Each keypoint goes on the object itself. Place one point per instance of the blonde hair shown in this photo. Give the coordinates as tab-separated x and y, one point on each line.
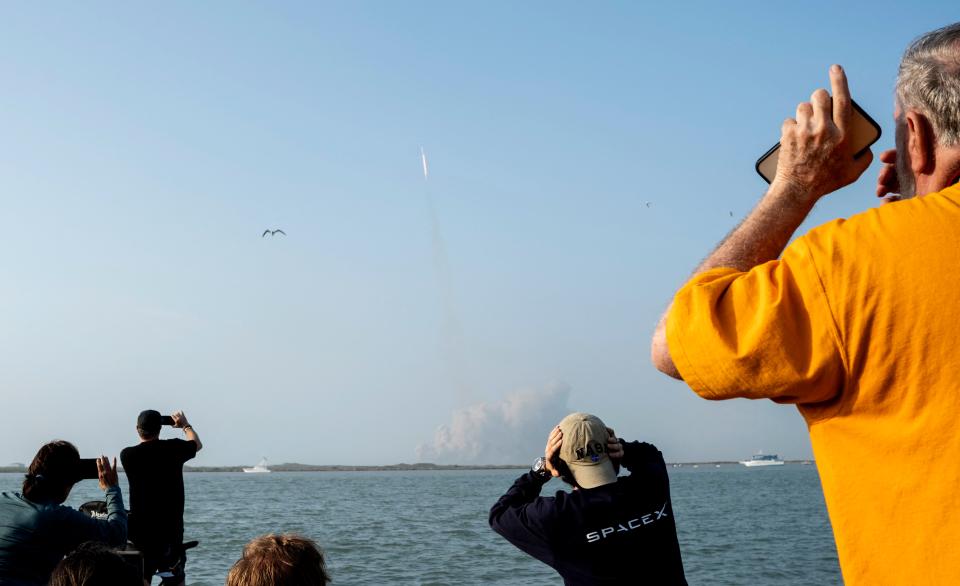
272	559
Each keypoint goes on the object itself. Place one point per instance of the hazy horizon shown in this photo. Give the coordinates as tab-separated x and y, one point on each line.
583	159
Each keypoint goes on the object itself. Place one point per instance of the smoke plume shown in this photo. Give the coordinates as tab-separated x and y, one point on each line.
511	431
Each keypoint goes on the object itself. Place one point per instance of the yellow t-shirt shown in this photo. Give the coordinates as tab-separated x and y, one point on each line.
858	324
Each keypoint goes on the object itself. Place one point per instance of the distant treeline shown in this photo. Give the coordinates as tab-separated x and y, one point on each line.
293	467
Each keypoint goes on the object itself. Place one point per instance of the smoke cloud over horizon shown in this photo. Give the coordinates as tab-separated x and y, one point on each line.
511	431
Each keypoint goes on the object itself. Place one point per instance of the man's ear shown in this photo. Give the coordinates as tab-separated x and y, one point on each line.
920	143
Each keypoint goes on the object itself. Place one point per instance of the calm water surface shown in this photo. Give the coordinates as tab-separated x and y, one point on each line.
737	526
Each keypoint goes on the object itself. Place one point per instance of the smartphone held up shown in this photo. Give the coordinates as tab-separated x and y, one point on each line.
87	469
865	131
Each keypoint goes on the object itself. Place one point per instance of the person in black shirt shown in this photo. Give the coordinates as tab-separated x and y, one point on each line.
609	529
154	470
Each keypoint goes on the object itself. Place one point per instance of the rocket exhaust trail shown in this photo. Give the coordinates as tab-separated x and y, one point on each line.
452	336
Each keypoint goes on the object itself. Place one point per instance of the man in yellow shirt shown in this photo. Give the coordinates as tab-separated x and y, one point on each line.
857	322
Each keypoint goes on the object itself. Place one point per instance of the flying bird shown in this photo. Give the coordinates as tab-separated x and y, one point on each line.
272	232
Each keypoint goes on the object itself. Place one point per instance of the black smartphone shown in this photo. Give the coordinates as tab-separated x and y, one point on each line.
865	132
87	469
166	420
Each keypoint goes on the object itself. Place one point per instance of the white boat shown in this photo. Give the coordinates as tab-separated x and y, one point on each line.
761	459
260	468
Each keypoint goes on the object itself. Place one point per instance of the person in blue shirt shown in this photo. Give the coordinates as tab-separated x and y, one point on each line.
37	530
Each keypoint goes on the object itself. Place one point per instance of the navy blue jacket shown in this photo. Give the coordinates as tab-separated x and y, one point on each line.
619	533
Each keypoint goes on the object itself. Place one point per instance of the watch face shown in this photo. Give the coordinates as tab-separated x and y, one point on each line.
538	464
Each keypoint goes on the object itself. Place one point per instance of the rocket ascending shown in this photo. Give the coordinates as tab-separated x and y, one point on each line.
423	158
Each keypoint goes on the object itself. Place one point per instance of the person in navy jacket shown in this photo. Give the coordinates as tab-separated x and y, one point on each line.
608	529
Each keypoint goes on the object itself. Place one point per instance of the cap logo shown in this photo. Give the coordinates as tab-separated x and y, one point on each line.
593	451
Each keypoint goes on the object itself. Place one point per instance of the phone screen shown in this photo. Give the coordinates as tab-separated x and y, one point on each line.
865	132
166	420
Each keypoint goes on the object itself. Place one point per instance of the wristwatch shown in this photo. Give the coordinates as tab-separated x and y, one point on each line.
539	468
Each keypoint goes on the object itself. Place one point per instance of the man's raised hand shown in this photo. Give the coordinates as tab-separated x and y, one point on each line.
554	441
179	420
614	447
107	474
888	184
816	156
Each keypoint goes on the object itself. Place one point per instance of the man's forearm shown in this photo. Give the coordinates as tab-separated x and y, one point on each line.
524	490
816	158
116	515
761	237
629	459
112	530
191	435
765	232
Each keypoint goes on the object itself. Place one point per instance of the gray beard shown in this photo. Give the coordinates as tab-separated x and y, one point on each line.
908	186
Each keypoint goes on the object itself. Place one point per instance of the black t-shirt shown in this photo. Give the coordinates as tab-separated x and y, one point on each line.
619	533
155	472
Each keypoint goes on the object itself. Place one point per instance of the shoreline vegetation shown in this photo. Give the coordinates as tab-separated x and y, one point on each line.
423	466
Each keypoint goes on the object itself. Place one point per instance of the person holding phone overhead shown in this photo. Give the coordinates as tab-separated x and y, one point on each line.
154	469
37	530
854	322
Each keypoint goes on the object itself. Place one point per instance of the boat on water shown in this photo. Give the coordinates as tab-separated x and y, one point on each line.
260	468
763	460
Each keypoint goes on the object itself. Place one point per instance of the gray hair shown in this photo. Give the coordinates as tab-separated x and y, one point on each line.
929	81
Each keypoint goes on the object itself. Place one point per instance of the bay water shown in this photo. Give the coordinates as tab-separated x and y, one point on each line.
736	525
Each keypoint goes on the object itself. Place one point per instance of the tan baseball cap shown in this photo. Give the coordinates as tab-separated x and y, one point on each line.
584	449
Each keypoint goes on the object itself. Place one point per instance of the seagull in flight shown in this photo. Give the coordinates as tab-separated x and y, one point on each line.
272	232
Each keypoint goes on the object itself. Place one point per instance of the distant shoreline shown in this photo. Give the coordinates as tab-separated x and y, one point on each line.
346	468
293	467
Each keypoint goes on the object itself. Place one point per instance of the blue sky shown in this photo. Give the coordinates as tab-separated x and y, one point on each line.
145	148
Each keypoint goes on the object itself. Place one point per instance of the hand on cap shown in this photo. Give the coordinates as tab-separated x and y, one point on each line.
554	440
816	156
614	447
179	420
107	474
